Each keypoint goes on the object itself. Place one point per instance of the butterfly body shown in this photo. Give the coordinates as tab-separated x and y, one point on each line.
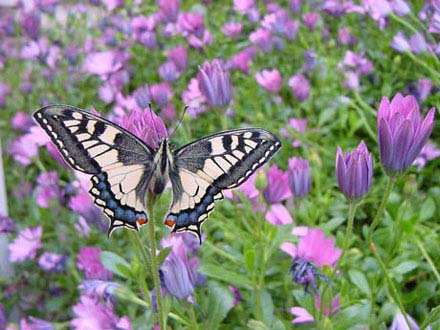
125	169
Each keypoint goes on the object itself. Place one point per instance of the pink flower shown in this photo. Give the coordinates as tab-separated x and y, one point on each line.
303	316
179	57
232	29
101	63
194	98
161	93
26	245
428	153
244	6
311	20
88	260
48	189
300	87
314	247
262	38
269	79
277	189
92	314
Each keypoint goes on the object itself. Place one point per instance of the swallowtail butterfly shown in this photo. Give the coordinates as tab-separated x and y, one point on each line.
124	168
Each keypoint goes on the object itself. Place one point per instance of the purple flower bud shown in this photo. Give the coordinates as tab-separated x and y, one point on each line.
169	9
300	87
214	83
424	88
345	37
400	7
400	43
262	38
179	57
401	132
418	44
354	171
311	20
168	72
7	225
142	96
232	29
161	94
299	176
31	24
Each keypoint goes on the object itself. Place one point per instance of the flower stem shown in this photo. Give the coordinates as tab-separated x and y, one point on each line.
261	269
154	264
143	258
376	220
428	259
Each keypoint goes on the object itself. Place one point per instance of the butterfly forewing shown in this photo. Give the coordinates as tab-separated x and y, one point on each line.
207	166
120	163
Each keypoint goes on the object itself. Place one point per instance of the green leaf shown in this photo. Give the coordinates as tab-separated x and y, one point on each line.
354	315
116	264
278	325
427	209
256	325
249	258
268	307
359	279
432	317
405	267
227	276
220	302
125	293
163	254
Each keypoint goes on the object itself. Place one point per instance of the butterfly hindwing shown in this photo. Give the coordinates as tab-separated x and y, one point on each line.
205	167
120	163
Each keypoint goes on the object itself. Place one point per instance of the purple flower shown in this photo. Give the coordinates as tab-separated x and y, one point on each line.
401	132
48	188
88	260
345	37
169	9
179	275
244	6
214	83
232	29
428	153
102	289
418	43
102	63
299	176
82	204
276	22
300	87
313	248
240	62
91	314
311	20
275	193
52	262
399	323
33	323
168	72
26	245
5	89
112	4
194	98
400	43
21	121
236	293
142	96
31	24
146	125
262	38
7	225
161	94
354	171
400	7
142	30
191	23
179	57
424	87
269	79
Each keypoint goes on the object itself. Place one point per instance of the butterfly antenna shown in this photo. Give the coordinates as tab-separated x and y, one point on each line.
180	120
154	122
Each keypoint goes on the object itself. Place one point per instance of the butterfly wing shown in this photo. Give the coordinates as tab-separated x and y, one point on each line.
121	164
204	168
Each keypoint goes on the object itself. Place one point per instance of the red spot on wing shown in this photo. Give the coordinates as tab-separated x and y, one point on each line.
141	221
170	222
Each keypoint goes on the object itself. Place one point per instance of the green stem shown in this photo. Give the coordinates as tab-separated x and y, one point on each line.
261	270
378	216
365	121
428	259
374	224
434	73
351	213
154	264
192	315
142	256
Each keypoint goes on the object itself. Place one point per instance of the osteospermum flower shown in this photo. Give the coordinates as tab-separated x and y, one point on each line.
214	83
429	152
300	87
354	171
91	314
313	248
48	188
399	323
146	125
88	260
33	323
26	245
7	224
299	176
269	79
52	262
401	132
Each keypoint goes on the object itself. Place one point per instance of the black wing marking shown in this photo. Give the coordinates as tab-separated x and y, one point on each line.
205	167
120	162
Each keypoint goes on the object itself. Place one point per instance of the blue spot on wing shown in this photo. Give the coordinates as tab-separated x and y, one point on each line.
191	219
120	215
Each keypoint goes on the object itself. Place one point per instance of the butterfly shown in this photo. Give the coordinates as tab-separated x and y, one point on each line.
125	169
